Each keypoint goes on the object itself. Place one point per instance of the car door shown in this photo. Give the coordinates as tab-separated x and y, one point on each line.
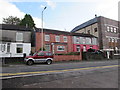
40	57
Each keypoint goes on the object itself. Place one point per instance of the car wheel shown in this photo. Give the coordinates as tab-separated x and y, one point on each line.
30	62
49	62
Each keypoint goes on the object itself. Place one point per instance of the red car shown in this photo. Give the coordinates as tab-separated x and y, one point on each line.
39	57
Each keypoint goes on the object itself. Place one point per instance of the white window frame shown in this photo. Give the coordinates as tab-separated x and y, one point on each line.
115	30
65	38
19	47
19	36
108	28
57	38
47	37
111	29
62	47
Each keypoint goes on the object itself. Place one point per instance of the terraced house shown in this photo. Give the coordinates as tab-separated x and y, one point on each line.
106	30
58	41
15	41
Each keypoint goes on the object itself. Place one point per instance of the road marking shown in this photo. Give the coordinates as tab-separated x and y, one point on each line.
54	71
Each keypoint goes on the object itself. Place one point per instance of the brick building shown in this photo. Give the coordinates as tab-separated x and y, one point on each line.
54	40
64	42
107	31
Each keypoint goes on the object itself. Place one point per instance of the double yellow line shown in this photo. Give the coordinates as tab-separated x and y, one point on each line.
54	71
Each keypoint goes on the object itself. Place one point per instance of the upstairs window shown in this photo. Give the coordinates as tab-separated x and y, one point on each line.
115	30
57	38
19	36
65	38
108	28
95	29
47	37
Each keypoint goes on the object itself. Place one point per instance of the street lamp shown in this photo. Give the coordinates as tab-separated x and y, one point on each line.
42	36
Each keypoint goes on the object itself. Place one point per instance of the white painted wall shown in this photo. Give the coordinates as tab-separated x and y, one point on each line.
13	46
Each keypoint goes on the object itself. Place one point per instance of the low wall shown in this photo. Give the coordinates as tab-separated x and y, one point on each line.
67	57
7	60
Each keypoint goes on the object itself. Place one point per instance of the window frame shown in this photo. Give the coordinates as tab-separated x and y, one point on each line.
19	36
57	38
47	37
62	47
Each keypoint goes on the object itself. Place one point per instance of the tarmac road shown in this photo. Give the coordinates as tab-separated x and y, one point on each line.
89	74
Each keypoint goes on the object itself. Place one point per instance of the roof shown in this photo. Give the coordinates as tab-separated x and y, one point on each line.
82	35
88	23
51	31
14	27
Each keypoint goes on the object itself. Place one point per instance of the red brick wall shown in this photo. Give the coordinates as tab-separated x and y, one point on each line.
67	57
68	46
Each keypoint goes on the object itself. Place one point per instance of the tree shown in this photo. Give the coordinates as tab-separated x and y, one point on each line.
11	20
27	21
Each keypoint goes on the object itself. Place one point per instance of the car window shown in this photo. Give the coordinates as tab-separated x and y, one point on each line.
48	54
40	54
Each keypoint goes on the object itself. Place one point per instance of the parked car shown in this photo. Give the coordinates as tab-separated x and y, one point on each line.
39	57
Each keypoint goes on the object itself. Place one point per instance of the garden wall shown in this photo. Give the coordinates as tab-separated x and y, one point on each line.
67	57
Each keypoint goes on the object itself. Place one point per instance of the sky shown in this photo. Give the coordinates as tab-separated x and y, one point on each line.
61	15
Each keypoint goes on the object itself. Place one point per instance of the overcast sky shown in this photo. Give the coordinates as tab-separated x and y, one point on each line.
60	14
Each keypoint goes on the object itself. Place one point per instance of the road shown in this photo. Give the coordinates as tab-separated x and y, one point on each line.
86	74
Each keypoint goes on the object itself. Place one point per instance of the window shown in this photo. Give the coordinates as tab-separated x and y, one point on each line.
111	29
8	47
47	47
88	31
57	38
19	36
84	49
95	29
108	28
40	54
78	48
19	48
47	37
115	30
88	41
2	47
77	40
60	48
94	41
48	54
65	38
84	40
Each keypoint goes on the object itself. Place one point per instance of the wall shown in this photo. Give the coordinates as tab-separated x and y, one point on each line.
67	57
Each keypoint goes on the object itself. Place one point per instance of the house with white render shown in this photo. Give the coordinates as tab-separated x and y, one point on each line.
15	41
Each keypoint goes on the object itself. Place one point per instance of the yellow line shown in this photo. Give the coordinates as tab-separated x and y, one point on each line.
24	73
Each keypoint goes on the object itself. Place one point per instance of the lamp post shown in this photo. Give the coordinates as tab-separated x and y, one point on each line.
42	36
